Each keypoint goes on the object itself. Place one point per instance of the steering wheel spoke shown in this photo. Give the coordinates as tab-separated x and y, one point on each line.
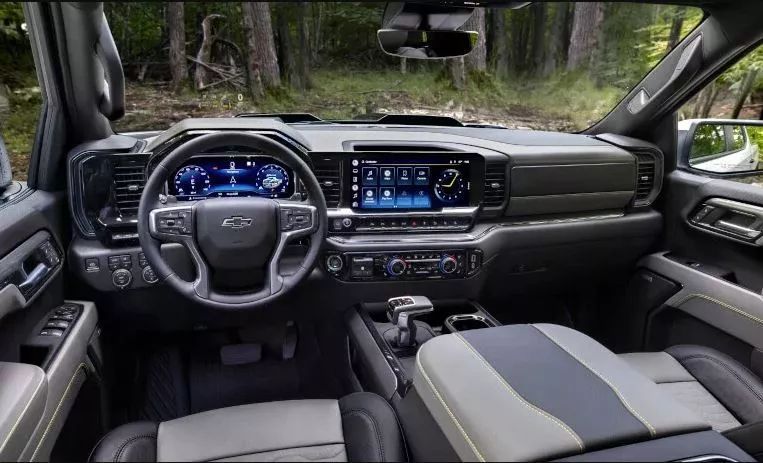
296	220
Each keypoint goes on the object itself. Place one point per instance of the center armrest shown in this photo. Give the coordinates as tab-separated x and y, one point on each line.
530	392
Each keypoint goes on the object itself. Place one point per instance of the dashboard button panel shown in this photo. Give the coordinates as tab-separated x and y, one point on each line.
404	265
413	223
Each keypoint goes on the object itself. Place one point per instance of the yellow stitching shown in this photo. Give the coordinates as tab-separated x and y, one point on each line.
652	431
450	413
521	399
21	416
723	304
58	408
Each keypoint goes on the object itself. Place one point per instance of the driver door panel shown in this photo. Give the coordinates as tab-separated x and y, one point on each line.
40	376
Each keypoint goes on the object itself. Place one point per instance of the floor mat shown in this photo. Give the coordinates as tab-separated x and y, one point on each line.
188	376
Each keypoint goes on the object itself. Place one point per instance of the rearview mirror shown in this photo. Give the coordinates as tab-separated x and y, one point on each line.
726	146
426	44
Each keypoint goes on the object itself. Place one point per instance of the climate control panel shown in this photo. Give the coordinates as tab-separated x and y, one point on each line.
404	265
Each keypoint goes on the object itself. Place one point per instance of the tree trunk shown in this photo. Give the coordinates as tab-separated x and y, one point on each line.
477	59
403	66
200	76
457	69
705	100
287	51
675	27
261	49
317	30
499	45
556	41
744	92
304	46
520	34
176	29
586	22
539	36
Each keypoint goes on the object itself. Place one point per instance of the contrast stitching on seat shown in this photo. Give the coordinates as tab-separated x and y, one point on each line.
727	368
81	366
21	415
360	411
521	399
649	427
124	444
723	304
280	449
447	409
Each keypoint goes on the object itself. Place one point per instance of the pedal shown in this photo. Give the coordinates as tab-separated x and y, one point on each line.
240	354
290	342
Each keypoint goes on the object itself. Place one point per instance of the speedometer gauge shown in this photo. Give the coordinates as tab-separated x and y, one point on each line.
272	179
192	181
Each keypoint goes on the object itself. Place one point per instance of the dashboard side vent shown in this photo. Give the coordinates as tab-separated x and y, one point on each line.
646	175
495	184
327	173
129	180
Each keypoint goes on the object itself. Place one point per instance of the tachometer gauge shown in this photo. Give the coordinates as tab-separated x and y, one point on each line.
192	181
450	186
272	179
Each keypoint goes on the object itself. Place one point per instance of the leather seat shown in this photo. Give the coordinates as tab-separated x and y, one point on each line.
358	427
719	389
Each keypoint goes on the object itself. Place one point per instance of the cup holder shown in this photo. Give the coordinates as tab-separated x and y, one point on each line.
465	322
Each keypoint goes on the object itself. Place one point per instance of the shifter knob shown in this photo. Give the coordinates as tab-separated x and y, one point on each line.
401	311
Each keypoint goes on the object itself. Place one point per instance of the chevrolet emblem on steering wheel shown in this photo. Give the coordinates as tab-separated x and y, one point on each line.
237	222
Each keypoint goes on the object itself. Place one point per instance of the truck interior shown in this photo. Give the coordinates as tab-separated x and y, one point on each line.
403	288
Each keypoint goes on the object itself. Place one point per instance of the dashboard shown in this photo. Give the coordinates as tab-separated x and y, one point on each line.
233	174
404	203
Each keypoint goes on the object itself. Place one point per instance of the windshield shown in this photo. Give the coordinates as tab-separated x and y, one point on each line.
550	66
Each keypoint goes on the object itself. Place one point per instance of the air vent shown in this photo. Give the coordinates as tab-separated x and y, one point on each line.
327	173
495	184
129	179
646	168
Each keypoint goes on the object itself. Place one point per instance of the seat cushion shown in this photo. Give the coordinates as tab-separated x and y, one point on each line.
713	385
359	427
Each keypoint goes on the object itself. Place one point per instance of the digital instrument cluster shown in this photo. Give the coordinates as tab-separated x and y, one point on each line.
226	176
410	181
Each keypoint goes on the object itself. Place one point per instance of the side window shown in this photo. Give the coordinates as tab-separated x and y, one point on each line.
20	98
722	126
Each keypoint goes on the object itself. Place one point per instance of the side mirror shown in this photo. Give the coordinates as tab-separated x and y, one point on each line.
426	44
726	146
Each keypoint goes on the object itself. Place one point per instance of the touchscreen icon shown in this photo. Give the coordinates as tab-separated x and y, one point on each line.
369	197
386	197
404	198
421	177
404	176
387	176
421	199
370	176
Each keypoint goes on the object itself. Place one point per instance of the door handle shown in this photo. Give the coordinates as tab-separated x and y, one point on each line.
33	278
739	229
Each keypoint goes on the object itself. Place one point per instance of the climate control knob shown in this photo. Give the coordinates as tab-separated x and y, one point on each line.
396	266
448	265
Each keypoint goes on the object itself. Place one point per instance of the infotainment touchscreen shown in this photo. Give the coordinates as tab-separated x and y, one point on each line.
412	181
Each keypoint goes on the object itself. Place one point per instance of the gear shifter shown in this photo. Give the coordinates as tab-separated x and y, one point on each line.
401	311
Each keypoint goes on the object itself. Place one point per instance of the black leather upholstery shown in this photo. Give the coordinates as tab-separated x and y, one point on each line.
371	429
736	387
365	429
131	442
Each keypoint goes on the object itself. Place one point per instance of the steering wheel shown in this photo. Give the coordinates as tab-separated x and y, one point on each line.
232	233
